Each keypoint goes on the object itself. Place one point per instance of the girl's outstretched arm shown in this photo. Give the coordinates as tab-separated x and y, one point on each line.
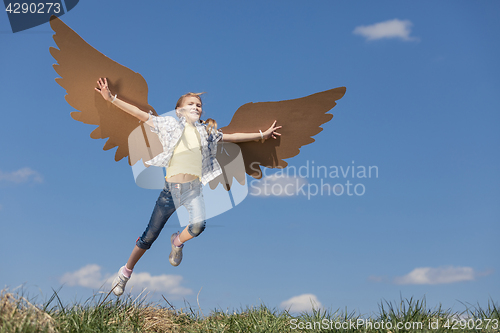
242	137
129	108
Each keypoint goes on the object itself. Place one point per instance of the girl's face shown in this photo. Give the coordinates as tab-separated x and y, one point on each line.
190	108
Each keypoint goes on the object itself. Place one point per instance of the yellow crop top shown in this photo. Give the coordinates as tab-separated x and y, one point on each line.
187	154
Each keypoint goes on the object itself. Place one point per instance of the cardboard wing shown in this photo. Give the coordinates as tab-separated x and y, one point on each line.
300	119
80	66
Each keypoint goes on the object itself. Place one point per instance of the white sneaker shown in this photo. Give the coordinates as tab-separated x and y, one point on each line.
119	283
175	256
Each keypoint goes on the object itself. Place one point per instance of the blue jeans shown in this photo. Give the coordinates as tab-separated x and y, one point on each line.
173	196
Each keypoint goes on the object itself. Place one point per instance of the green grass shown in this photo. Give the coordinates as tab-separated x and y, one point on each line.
102	313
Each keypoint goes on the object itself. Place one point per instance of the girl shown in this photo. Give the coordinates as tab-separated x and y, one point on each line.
189	149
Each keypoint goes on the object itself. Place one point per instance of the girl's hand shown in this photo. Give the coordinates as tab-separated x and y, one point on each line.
271	131
104	90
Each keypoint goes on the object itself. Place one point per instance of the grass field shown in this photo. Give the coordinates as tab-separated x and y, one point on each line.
103	313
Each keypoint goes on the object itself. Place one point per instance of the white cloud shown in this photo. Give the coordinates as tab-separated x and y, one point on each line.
90	276
278	186
387	29
21	176
165	283
439	275
301	303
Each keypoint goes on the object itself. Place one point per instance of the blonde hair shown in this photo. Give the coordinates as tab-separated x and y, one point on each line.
211	123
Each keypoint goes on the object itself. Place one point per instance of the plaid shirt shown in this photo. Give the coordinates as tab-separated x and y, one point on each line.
169	132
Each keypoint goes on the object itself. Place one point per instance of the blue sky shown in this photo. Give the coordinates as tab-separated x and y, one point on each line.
421	107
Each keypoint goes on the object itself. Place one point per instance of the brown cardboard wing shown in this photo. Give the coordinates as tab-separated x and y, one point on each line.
80	66
301	119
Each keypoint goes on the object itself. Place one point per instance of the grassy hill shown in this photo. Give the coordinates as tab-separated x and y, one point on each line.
103	314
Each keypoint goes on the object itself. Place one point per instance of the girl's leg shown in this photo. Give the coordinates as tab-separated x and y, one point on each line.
195	205
185	235
191	231
164	208
136	254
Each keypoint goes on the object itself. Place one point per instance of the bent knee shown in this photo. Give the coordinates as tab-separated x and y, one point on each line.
195	229
144	243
